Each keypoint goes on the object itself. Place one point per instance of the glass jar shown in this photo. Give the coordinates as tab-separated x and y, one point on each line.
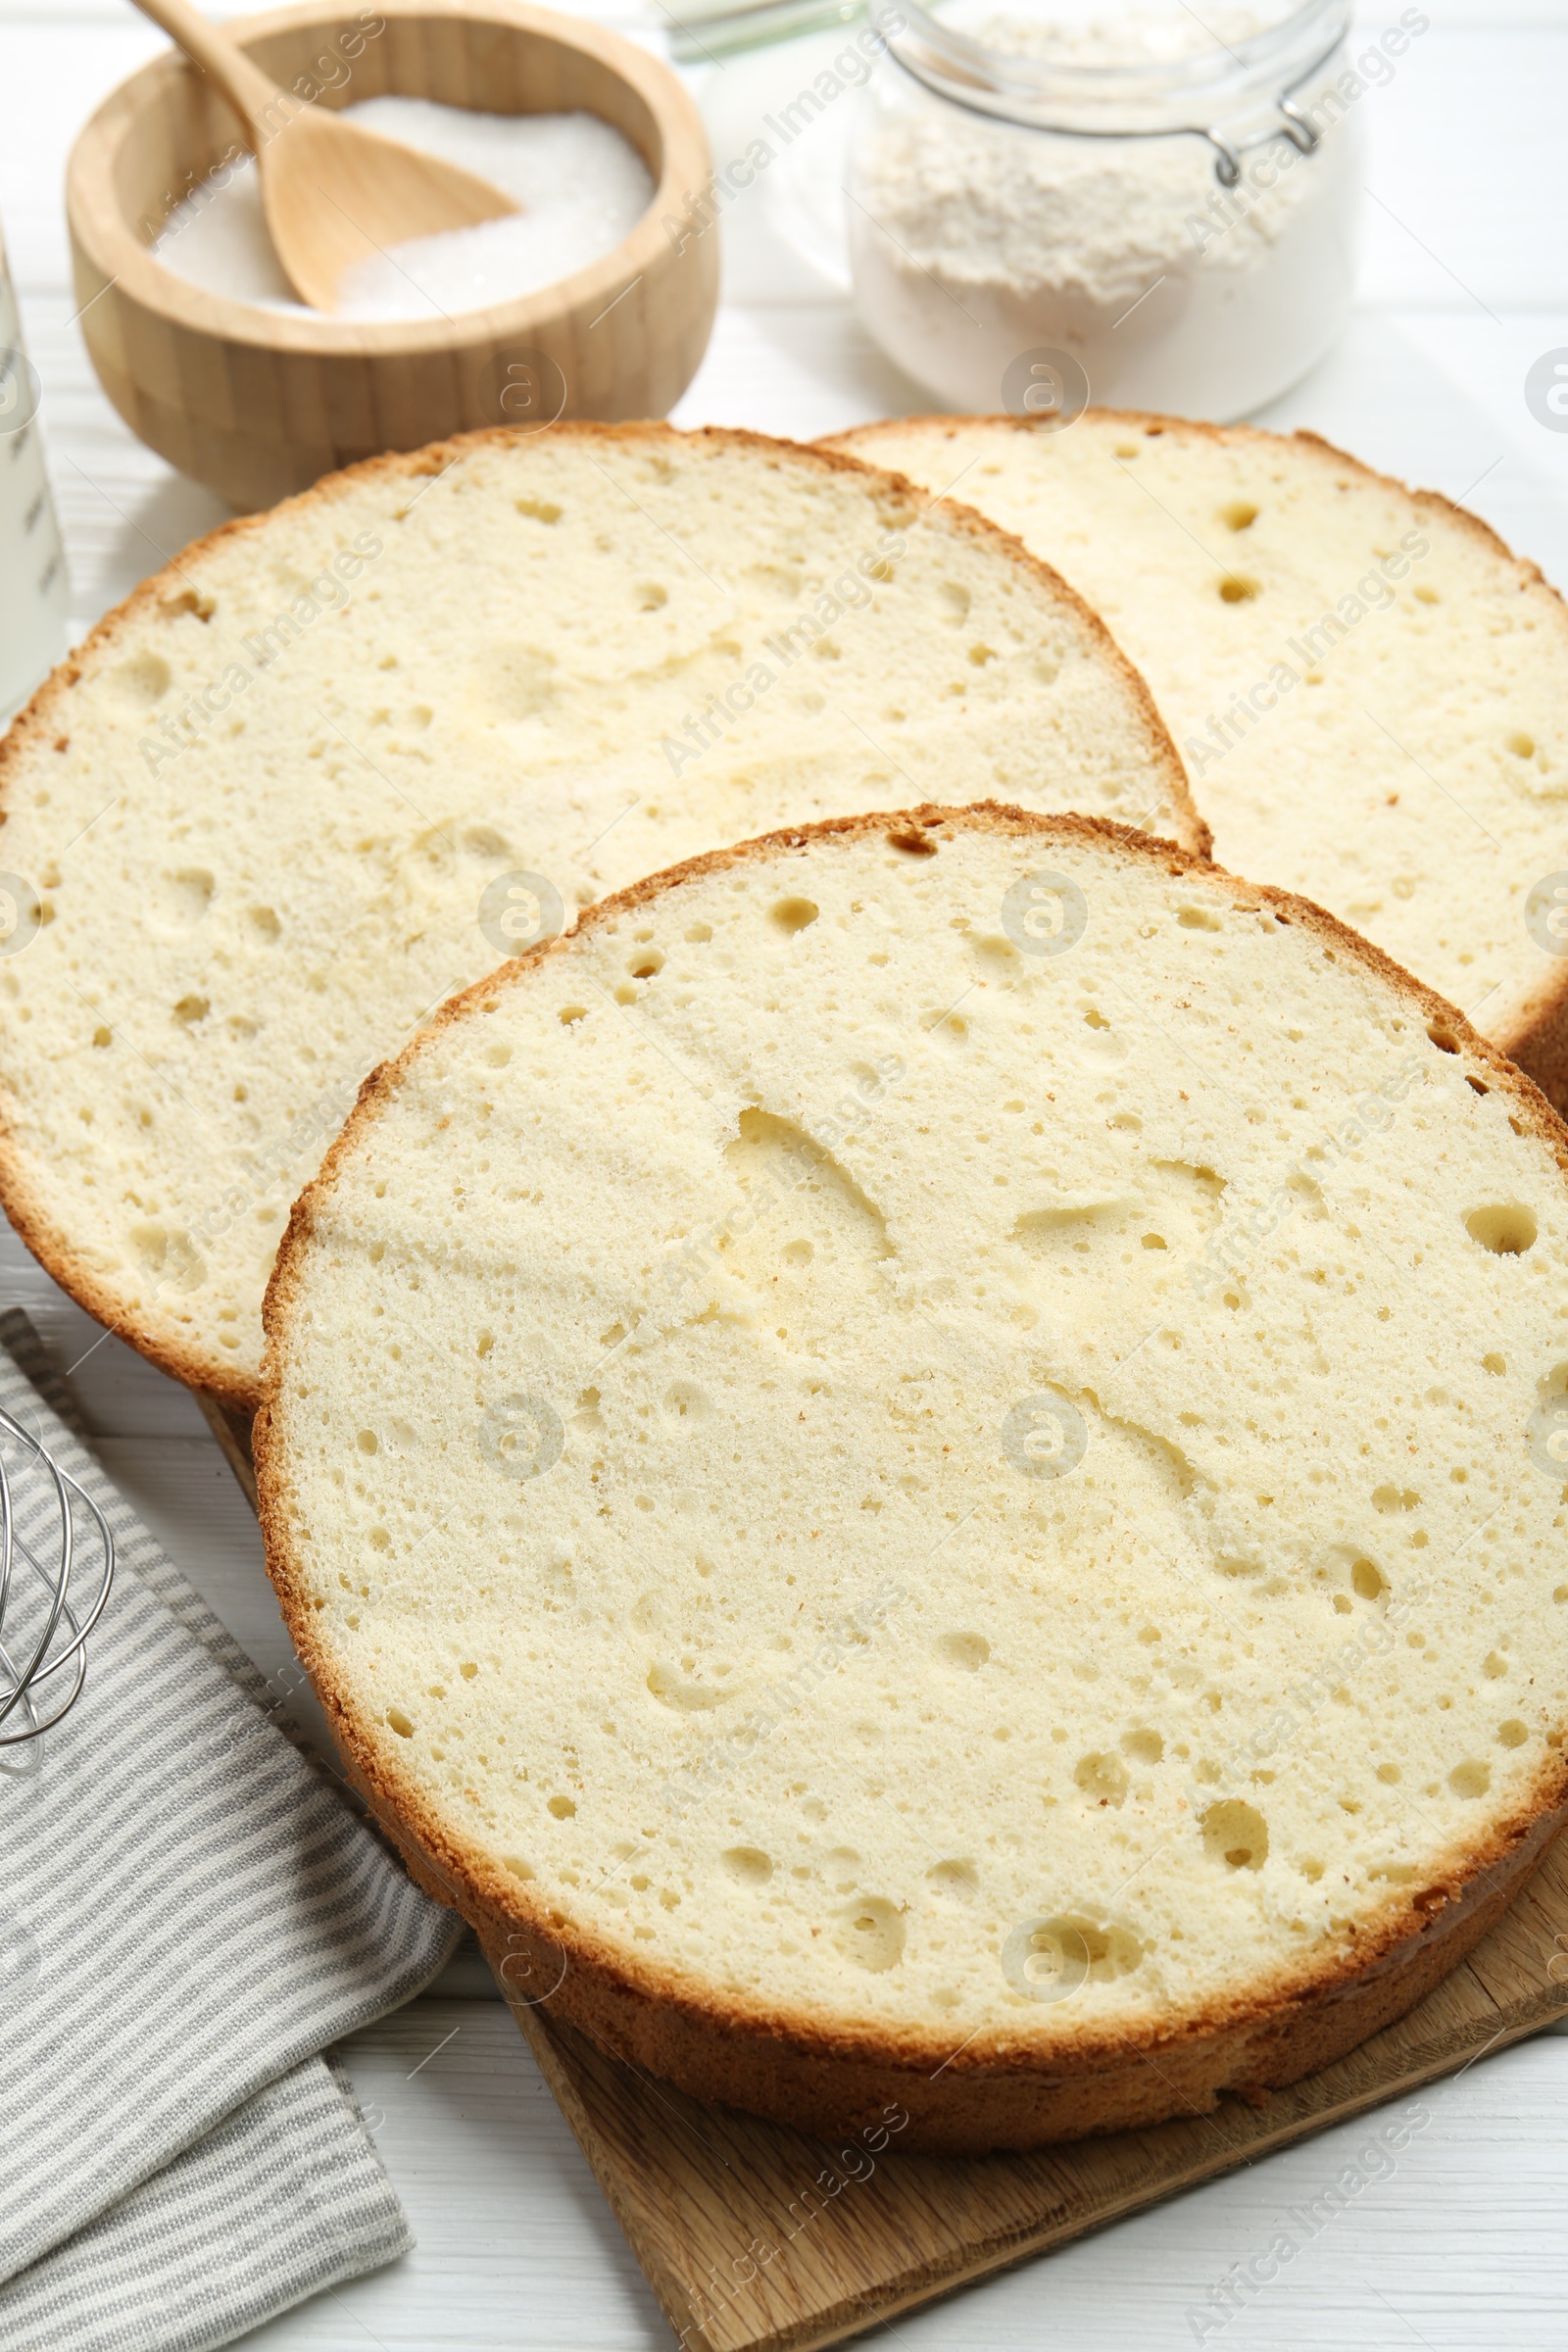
33	586
1122	205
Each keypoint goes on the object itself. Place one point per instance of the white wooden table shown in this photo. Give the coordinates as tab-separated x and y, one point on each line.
1464	283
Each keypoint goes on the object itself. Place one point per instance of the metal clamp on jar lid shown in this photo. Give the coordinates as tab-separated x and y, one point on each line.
1162	208
1178	95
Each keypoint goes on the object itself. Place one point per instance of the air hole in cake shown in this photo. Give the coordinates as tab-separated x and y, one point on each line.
400	1723
1470	1778
912	844
368	1442
698	934
1113	1950
1235	1833
1368	1581
571	1012
1239	515
1513	1733
192	602
1145	1746
645	964
1442	1036
1506	1228
1235	590
1523	746
169	1257
191	1009
966	1651
676	1690
841	1869
793	915
562	1807
1200	918
1101	1776
748	1865
143	678
956	1881
684	1400
871	1934
1050	1959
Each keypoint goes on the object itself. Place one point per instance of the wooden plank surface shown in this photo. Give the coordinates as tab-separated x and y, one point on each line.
231	1428
756	2238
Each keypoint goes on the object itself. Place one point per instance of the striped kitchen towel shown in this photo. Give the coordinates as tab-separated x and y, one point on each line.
285	2198
189	1914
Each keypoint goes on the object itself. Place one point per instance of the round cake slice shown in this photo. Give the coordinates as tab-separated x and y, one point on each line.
1369	690
342	758
926	1466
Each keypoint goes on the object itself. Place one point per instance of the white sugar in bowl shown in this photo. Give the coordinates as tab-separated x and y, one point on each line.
260	401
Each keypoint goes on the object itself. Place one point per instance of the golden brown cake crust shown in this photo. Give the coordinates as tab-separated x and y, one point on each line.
998	2091
25	1201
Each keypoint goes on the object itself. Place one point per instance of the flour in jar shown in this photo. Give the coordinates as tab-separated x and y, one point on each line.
976	239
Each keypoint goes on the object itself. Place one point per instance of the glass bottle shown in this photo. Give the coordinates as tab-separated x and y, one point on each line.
34	587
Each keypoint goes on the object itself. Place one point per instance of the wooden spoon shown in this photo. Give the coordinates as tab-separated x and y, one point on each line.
331	192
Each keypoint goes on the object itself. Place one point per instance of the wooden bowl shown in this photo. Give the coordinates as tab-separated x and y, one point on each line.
256	404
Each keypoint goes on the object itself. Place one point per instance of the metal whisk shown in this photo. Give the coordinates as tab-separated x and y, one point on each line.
54	1581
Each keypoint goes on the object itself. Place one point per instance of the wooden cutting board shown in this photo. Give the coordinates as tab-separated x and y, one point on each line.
756	2238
